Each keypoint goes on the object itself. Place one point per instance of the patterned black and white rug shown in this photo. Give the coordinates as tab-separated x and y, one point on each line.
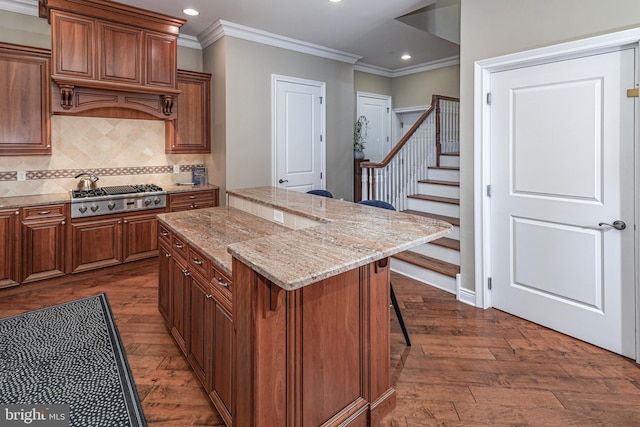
69	354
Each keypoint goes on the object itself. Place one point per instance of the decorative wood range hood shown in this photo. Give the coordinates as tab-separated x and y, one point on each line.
112	60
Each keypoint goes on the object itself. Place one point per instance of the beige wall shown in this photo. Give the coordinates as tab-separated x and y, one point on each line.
371	83
491	28
189	59
416	89
25	30
248	135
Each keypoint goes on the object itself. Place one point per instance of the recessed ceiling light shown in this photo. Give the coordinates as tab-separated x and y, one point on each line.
406	56
335	1
191	12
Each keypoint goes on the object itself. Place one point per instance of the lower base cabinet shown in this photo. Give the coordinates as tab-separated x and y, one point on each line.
9	248
194	300
43	242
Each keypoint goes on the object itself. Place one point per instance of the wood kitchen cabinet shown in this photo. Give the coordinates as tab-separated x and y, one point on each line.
105	241
25	124
190	132
187	200
194	298
43	242
9	247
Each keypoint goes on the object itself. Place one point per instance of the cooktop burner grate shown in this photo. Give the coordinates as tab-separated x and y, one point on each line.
115	190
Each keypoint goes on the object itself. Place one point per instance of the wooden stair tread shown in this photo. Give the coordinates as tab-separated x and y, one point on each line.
447	242
451	220
450	154
434	181
429	263
446	168
428	198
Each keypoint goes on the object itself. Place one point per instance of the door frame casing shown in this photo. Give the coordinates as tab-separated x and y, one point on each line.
483	70
275	78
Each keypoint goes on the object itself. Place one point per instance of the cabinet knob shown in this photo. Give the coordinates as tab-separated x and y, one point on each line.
209	296
223	283
185	273
164	233
17	212
126	222
63	223
167	255
196	261
179	246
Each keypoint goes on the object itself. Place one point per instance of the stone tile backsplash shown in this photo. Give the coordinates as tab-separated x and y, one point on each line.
118	151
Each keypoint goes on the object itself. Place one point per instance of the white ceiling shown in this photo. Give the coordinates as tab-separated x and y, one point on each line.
366	28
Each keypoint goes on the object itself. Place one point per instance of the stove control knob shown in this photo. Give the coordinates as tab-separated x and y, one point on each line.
111	206
156	200
94	207
147	202
82	208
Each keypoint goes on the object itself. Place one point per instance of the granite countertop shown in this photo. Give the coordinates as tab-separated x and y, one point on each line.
211	230
348	235
14	202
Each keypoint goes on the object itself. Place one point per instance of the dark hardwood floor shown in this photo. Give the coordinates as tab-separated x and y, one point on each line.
467	367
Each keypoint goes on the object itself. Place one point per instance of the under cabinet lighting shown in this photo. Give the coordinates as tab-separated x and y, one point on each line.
191	12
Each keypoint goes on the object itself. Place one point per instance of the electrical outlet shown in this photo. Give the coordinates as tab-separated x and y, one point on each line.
278	216
176	168
22	175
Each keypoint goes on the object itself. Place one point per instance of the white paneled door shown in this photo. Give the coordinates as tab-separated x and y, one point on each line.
377	110
562	169
299	151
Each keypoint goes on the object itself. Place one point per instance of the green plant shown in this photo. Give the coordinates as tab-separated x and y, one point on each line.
360	133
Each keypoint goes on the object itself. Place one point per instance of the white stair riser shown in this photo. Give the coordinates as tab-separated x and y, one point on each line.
453	161
438	252
438	208
455	233
444	175
429	277
450	191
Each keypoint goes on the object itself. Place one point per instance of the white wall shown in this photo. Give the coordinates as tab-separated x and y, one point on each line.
491	28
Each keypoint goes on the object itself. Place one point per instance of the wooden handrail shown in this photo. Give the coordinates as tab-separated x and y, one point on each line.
435	102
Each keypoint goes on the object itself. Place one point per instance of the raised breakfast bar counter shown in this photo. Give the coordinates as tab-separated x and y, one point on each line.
301	337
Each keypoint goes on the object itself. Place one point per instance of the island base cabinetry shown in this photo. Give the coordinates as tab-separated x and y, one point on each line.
9	247
315	356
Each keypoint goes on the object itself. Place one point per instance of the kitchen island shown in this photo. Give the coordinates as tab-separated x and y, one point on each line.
287	324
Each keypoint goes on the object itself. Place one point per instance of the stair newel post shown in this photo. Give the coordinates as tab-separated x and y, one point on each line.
436	100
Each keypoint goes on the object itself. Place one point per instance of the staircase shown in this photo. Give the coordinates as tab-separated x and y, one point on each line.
421	176
438	197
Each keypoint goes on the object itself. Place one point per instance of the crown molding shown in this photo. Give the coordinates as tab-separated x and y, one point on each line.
25	7
427	66
222	28
185	40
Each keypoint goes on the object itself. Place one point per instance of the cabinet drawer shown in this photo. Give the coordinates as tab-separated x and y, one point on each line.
221	282
199	263
47	211
180	247
178	207
165	234
191	196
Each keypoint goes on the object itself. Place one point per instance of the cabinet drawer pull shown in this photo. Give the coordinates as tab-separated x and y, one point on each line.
209	296
192	197
179	246
223	283
164	233
44	212
185	273
196	261
167	255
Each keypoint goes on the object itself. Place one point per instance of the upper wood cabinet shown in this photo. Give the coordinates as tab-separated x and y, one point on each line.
191	131
100	45
25	126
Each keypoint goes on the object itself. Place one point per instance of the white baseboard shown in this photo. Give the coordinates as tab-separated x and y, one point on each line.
464	295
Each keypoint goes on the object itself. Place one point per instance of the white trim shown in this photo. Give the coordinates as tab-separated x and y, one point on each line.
482	138
415	109
25	7
185	40
275	78
427	66
464	295
225	28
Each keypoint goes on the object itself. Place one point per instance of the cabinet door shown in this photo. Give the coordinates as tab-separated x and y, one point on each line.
220	391
120	54
140	237
190	132
199	321
180	283
95	244
43	248
164	282
161	60
74	46
9	249
25	127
